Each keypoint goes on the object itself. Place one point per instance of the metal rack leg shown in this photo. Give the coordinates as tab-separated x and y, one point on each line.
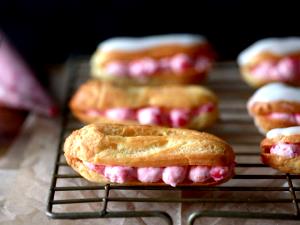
105	200
293	194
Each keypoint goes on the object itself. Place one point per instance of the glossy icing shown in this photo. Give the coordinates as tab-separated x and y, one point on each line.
141	43
275	92
279	46
283	132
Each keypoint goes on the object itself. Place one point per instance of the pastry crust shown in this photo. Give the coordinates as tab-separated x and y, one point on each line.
95	94
261	111
146	146
143	146
103	95
265	123
286	165
264	108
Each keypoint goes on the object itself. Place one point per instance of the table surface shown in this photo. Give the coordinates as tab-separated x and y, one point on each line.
26	169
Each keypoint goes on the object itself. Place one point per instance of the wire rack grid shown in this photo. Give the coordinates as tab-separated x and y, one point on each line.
249	194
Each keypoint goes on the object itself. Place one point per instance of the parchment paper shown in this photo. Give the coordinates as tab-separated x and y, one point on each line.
25	190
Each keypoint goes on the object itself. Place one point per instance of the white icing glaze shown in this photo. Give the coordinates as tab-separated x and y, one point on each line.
275	92
283	132
280	46
140	43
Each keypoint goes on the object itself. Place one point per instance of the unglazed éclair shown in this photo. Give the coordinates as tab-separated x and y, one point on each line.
148	155
172	106
275	105
153	60
271	60
281	149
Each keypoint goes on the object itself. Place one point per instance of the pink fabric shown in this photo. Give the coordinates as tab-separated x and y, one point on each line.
219	173
149	174
18	86
120	174
286	69
120	114
199	173
174	175
286	150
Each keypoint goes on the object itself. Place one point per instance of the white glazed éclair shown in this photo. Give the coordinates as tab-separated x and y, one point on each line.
153	60
275	105
281	149
271	59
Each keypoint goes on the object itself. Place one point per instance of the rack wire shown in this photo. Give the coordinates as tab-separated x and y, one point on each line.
249	194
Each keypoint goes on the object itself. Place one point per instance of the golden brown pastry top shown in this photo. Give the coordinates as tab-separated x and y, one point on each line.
95	94
146	146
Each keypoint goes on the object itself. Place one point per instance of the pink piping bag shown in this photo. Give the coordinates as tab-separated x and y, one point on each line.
18	86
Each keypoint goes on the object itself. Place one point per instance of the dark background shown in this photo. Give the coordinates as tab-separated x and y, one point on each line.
47	32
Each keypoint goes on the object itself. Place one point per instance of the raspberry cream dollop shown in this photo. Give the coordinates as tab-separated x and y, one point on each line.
171	175
290	117
144	67
286	150
177	117
286	69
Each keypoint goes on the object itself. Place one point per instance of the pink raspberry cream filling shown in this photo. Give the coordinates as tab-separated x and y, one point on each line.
286	69
145	67
289	117
286	150
153	115
171	175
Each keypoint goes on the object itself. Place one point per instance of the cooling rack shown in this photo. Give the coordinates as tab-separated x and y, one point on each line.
255	192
